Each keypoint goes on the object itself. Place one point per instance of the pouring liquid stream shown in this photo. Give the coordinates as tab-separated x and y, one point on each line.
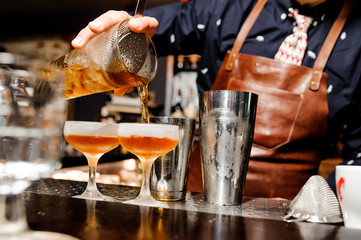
142	87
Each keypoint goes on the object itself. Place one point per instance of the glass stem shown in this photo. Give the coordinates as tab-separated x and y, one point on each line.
147	167
92	163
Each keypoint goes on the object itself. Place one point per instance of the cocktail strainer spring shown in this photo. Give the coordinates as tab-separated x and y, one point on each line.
316	202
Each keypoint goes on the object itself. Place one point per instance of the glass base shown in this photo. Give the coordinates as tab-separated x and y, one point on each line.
94	195
147	201
38	235
169	196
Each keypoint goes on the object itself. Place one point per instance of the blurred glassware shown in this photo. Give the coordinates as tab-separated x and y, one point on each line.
31	121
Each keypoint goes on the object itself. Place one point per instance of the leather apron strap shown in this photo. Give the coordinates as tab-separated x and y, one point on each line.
243	33
329	44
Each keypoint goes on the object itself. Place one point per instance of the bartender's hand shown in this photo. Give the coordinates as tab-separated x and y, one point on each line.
109	19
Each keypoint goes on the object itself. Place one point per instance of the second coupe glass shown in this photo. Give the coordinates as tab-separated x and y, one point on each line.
147	142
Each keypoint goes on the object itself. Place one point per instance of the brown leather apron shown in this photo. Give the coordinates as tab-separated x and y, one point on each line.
292	112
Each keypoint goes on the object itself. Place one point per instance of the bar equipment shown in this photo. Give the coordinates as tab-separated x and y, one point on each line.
315	202
169	175
114	59
226	122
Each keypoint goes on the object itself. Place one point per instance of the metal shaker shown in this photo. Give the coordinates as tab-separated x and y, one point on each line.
226	122
169	175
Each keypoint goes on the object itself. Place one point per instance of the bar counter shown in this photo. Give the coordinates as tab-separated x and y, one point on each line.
50	207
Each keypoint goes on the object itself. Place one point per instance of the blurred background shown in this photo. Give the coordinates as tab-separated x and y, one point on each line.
33	17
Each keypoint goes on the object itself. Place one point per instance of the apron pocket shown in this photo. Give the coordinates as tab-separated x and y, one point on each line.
277	113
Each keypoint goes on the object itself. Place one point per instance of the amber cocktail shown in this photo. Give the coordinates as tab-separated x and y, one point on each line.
147	142
93	139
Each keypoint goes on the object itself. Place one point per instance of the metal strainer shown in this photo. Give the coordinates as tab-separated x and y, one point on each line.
133	48
316	202
130	51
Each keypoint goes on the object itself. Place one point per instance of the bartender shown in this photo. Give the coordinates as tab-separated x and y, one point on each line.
291	36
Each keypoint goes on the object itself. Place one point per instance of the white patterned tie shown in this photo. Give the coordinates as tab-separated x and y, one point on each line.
294	46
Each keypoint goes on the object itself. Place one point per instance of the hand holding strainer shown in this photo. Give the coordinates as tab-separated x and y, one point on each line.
114	59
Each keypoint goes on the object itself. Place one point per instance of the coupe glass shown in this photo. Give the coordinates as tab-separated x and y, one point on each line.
32	114
148	142
93	139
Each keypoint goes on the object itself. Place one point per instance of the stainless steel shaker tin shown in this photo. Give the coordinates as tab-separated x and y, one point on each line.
227	121
169	175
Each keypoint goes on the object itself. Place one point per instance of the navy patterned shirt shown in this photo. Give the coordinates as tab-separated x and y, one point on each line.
209	28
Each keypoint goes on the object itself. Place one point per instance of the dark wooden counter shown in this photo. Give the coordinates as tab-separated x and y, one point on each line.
50	207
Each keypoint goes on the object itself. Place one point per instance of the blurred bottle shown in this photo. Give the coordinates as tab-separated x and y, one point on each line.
6	97
185	93
177	110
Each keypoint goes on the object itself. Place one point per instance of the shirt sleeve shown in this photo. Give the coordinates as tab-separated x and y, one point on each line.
181	27
351	137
